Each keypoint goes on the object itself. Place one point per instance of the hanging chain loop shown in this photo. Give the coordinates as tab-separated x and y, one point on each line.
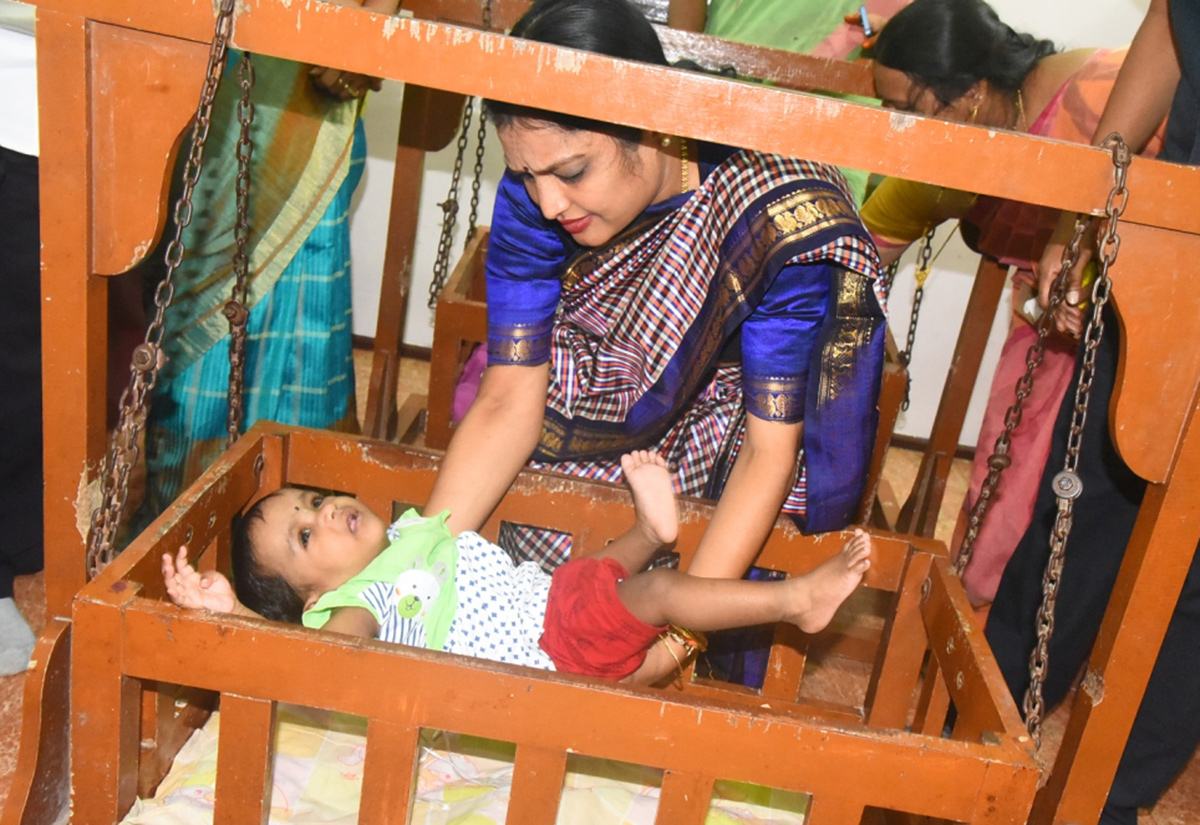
924	264
449	207
1067	484
235	309
123	450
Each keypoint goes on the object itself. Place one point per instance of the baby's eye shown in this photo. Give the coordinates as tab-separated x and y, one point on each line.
304	536
317	501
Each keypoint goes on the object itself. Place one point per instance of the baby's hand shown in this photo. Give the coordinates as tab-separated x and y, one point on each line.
194	590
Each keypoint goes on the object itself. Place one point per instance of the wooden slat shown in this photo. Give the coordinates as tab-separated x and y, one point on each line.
104	713
537	785
898	667
828	809
920	512
244	760
684	799
389	773
785	667
934	702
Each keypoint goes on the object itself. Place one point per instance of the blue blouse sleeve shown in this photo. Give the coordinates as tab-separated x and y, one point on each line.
524	262
778	340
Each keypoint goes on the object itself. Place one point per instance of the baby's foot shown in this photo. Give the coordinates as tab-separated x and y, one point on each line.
831	583
649	480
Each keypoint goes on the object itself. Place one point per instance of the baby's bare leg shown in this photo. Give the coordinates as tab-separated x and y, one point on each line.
661	597
656	522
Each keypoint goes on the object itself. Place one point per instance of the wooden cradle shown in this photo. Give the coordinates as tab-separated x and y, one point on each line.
144	659
106	63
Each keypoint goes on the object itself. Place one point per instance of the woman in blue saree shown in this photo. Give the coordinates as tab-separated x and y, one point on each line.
718	306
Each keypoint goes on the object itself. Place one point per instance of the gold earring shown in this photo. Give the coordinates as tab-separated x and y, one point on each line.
974	111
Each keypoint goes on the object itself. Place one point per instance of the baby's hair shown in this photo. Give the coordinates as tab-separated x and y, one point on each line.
268	595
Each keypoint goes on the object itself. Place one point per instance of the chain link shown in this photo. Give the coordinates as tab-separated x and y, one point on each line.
235	309
1067	484
924	264
147	359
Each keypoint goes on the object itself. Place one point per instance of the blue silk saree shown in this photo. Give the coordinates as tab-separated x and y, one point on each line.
755	294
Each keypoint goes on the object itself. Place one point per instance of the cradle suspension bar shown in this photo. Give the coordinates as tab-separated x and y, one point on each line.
1067	484
147	358
235	308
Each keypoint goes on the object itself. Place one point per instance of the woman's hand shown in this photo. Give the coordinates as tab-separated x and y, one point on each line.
189	588
1069	317
341	84
874	23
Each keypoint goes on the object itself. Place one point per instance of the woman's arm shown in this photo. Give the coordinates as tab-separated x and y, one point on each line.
758	485
491	445
1139	101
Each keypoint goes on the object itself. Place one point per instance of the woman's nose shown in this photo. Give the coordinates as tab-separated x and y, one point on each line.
551	199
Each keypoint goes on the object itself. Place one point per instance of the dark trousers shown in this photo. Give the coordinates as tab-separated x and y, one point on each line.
20	369
1167	726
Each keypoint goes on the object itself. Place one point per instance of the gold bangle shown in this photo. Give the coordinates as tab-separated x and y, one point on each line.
693	640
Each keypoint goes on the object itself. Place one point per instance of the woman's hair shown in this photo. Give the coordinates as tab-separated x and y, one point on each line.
615	28
947	46
270	596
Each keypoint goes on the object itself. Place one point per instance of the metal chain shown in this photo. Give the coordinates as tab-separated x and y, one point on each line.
924	263
1000	459
235	308
441	263
1067	484
480	135
147	358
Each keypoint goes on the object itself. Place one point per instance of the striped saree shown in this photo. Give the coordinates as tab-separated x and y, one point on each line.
756	294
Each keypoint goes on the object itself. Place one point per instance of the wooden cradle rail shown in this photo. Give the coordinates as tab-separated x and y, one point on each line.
143	657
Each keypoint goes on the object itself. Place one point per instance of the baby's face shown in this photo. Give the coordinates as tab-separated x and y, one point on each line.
316	542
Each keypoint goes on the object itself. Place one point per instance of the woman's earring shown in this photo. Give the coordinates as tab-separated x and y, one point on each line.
666	141
974	111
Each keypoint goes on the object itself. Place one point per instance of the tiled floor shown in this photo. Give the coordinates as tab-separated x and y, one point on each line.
1180	806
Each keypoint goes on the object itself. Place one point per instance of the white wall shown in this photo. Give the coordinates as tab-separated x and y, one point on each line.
1069	23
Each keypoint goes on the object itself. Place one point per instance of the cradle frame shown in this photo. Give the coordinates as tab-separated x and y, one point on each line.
140	654
101	62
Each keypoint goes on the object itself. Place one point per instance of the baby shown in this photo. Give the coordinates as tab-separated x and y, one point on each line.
331	563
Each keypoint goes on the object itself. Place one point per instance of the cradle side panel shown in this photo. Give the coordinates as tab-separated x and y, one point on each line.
658	729
41	783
